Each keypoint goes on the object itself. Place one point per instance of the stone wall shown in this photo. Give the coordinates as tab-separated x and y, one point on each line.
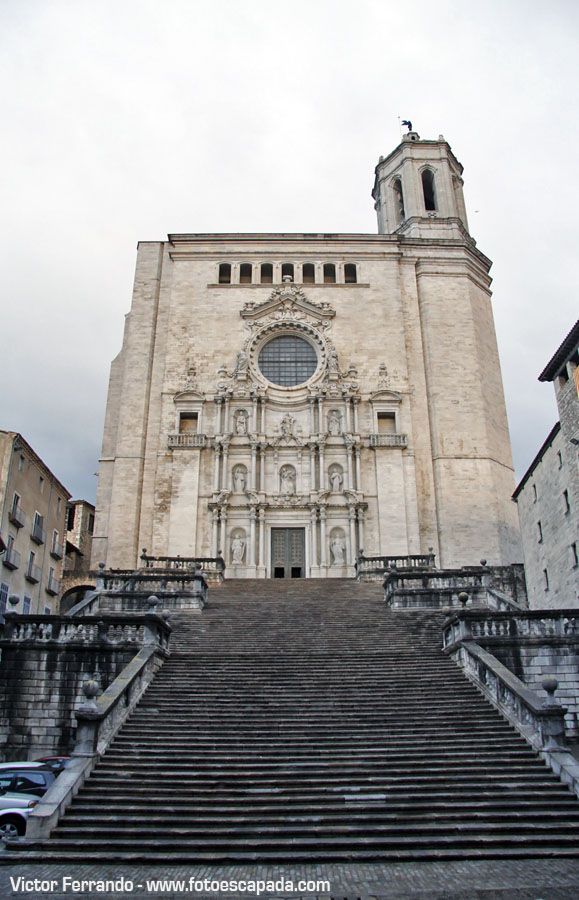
41	687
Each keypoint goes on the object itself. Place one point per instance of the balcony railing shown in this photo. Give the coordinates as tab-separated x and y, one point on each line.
57	550
388	440
11	558
33	573
373	568
52	586
38	534
17	516
185	440
211	567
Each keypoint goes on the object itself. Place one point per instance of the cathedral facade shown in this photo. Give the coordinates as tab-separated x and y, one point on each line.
289	400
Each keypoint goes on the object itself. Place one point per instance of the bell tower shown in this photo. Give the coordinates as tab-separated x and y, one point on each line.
418	190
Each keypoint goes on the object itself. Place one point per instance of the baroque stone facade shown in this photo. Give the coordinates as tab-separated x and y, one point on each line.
287	400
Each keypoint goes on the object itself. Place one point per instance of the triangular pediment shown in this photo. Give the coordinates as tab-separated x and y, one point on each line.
288	301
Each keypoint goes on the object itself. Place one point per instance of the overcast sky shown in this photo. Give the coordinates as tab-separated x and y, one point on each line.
126	120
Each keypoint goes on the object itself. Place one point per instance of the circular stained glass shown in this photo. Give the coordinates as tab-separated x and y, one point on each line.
288	360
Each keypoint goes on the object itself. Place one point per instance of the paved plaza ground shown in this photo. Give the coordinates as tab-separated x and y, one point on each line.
555	879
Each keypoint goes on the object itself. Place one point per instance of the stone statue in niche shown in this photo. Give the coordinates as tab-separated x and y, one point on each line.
337	547
287	480
239	480
334	422
241	366
287	425
336	480
241	422
333	365
237	550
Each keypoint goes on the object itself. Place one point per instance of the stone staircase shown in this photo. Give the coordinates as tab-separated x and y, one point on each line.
305	721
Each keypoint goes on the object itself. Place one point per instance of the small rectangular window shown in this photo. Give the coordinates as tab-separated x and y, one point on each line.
188	423
546	577
386	423
534	493
539	533
245	273
71	513
350	276
26	604
21	464
308	273
90	528
574	555
566	502
47	611
41	484
559	459
4	588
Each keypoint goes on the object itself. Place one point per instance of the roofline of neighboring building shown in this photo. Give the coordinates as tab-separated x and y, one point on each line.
76	503
561	356
16	436
546	443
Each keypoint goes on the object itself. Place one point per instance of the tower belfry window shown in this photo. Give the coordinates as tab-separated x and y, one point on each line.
350	273
224	273
399	200
428	190
245	273
287	269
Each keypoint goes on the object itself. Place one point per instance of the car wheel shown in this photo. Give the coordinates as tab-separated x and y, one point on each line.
11	827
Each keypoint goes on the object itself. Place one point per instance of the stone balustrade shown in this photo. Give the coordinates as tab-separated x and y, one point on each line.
130	591
104	629
185	441
533	643
373	568
211	567
388	440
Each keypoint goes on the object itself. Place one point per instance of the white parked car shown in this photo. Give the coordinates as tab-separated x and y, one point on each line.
13	820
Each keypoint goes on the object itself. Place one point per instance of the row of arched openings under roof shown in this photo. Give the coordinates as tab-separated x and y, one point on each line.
308	271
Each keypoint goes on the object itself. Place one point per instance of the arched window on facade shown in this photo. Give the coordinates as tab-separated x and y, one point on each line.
350	276
329	273
308	273
266	273
428	190
399	200
287	269
224	273
245	273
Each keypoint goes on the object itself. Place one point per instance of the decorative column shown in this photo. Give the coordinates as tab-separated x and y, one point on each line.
358	476
219	415
347	420
349	461
312	416
355	401
314	518
216	453
352	518
223	537
254	422
253	473
226	428
251	554
262	537
323	548
214	527
361	528
262	467
312	449
321	456
320	416
225	448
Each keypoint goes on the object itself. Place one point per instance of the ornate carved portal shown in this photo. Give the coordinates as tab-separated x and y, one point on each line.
287	498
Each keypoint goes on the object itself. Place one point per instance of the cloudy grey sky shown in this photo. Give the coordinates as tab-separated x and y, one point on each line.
126	120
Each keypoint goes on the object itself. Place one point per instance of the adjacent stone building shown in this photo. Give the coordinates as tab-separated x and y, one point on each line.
287	400
33	523
548	495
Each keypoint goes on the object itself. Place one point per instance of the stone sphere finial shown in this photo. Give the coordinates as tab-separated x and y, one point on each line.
101	566
463	598
550	685
13	599
483	562
152	602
